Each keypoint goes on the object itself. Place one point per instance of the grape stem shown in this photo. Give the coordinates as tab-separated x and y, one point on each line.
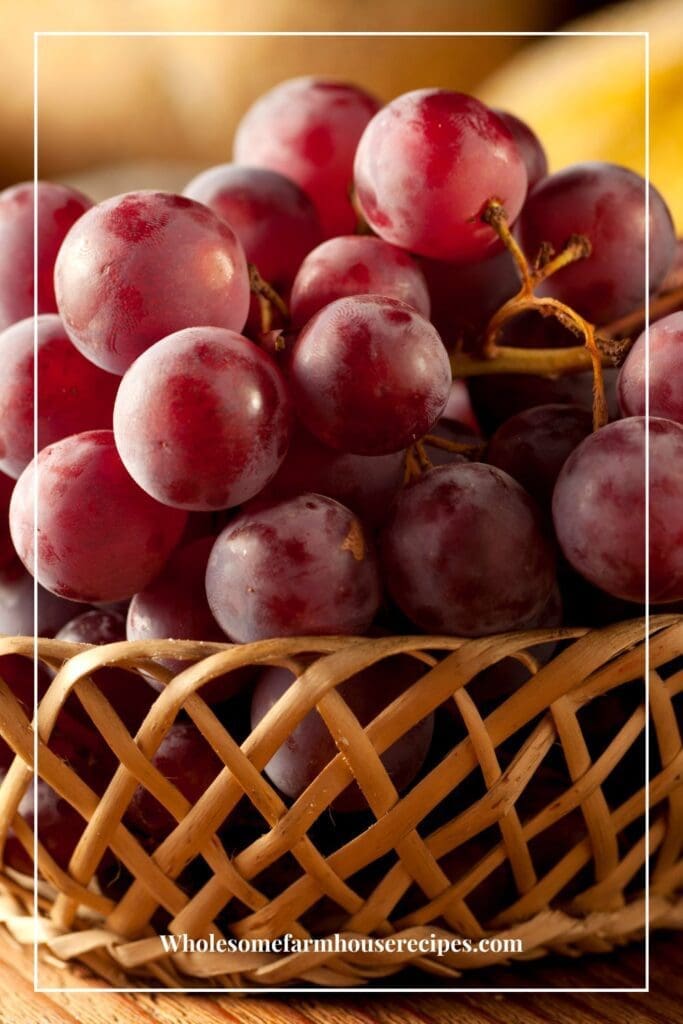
633	323
268	299
459	447
511	360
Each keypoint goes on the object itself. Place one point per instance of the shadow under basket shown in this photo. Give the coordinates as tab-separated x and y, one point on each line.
526	822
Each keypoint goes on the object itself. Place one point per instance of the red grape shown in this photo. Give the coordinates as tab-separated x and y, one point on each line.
356	265
142	265
666	372
308	130
606	203
73	394
16	605
292	568
369	375
127	692
58	208
100	537
310	746
599	509
426	167
273	218
185	758
463	552
465	296
366	484
532	446
174	606
202	419
7	552
528	144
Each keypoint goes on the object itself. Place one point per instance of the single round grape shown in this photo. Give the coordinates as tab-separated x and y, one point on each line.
464	296
498	396
366	484
528	144
369	375
202	419
58	208
293	568
463	552
599	509
73	394
17	606
174	607
425	168
184	758
142	265
7	552
308	130
666	372
100	537
298	762
532	446
606	203
128	693
273	218
356	265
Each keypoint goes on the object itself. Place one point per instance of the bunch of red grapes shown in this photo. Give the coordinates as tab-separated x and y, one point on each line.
215	463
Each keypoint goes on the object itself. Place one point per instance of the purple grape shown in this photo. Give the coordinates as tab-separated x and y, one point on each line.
293	568
599	509
666	372
529	146
532	446
463	552
310	746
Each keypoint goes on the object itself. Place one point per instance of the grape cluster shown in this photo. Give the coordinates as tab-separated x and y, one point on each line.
248	428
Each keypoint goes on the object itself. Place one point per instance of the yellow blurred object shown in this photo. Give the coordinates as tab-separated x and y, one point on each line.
586	97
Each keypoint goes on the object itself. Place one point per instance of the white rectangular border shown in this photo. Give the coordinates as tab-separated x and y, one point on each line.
361	990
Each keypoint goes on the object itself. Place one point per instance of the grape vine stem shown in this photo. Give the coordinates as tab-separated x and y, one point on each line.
553	361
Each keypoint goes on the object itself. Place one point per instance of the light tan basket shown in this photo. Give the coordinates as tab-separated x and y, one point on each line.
480	846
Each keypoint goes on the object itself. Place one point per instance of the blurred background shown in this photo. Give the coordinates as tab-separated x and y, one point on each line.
119	113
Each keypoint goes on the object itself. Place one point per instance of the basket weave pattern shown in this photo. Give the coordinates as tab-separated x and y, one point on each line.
587	898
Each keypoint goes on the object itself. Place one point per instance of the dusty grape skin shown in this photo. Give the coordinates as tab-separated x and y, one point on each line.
184	758
58	208
16	605
464	296
127	692
498	396
606	203
366	484
273	218
356	265
73	394
425	168
532	446
310	746
599	509
529	145
202	420
174	607
142	265
308	130
293	568
369	375
100	537
7	552
666	372
463	552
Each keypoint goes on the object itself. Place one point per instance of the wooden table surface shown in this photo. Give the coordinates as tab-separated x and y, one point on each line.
19	1004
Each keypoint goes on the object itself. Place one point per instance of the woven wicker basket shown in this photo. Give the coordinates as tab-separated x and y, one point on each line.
527	821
